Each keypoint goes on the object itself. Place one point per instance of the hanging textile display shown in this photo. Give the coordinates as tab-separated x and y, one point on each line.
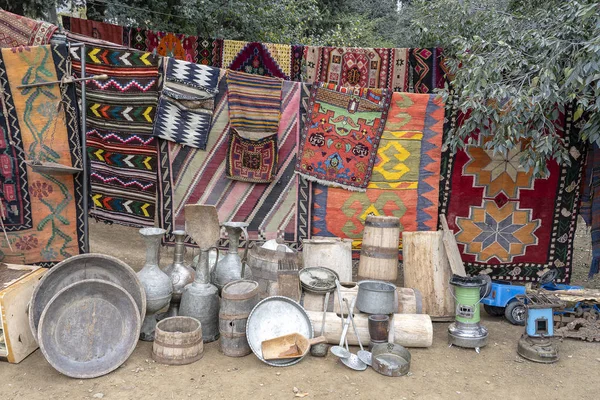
190	176
254	104
43	212
590	204
94	29
254	114
427	69
338	146
405	179
122	151
186	103
182	47
509	224
16	30
357	67
274	60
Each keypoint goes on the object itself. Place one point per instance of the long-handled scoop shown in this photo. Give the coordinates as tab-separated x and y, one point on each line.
364	355
353	361
340	351
289	346
320	350
202	224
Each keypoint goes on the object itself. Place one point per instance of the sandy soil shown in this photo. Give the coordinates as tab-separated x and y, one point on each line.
436	373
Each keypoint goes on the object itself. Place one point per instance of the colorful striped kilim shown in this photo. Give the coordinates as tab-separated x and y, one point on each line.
266	59
405	179
43	211
190	176
427	72
509	224
254	104
122	150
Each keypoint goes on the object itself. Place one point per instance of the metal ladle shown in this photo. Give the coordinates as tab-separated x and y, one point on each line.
339	350
353	361
320	350
364	355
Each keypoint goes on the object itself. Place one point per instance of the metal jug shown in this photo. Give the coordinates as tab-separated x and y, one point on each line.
181	274
231	267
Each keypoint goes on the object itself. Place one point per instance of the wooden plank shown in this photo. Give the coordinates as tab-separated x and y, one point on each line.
426	268
14	308
454	257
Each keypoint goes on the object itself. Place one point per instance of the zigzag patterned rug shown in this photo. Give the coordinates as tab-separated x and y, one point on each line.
405	179
44	212
122	151
189	176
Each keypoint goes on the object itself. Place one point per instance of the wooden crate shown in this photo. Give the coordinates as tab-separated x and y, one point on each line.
16	287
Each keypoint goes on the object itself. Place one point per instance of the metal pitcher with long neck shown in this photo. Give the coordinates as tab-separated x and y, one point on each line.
231	267
181	274
200	299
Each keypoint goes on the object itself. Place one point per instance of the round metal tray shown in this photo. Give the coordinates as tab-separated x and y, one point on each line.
311	277
89	328
78	268
273	317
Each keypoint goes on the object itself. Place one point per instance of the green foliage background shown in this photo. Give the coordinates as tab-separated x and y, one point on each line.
516	63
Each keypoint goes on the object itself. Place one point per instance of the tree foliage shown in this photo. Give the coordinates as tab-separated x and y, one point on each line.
516	66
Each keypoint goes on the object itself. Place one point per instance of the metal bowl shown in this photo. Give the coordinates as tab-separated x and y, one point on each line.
390	359
273	317
89	328
78	268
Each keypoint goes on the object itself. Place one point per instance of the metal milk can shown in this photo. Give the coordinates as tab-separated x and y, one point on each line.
156	283
200	299
181	275
231	267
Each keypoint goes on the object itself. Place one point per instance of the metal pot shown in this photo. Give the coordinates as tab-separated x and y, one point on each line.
376	297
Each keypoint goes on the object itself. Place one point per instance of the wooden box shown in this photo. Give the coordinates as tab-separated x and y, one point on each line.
16	287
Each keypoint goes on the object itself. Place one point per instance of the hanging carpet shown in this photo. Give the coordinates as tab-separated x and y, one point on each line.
121	148
357	67
427	72
266	59
186	103
16	30
338	145
509	224
94	29
405	179
190	176
590	204
43	212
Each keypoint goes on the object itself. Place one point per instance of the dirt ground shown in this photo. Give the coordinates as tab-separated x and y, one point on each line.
438	372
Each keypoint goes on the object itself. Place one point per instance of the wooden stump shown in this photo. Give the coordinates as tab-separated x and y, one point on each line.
426	268
333	253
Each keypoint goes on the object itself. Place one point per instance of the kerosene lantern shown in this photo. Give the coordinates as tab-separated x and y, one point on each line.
537	342
467	331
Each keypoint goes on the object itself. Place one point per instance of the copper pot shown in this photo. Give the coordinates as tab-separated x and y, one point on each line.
379	327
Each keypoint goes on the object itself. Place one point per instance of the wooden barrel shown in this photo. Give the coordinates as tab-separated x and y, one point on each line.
409	300
237	300
426	268
379	249
178	341
331	252
263	263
